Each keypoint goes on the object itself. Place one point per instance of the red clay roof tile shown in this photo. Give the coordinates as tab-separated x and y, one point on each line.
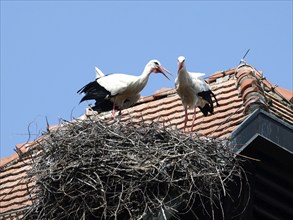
248	82
288	95
15	185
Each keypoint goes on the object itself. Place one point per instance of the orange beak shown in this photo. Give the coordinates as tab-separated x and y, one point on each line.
161	69
180	64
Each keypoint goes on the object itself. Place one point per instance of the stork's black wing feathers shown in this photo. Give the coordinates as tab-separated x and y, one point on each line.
104	105
206	109
94	91
207	95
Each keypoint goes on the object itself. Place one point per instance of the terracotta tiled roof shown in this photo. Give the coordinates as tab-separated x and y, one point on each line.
239	91
15	185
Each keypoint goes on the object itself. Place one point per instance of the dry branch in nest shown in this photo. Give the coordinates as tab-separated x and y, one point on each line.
89	170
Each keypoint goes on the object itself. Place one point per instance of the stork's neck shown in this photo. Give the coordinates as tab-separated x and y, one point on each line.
183	75
143	78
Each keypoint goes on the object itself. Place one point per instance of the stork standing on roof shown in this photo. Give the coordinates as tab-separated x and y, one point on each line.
119	90
193	91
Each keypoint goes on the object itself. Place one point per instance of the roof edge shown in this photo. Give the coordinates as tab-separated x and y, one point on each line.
265	124
20	150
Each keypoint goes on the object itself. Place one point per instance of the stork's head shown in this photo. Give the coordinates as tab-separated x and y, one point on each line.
156	67
181	63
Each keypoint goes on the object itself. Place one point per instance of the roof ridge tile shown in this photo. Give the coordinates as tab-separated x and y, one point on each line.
249	85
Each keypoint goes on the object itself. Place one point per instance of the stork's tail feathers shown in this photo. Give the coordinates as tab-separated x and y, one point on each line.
209	107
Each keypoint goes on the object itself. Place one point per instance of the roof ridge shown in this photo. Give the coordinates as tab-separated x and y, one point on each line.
229	72
250	88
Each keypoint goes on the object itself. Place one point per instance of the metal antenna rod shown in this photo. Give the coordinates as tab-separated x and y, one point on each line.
245	54
242	60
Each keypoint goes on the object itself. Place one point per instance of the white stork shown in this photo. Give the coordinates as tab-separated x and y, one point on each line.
193	91
119	90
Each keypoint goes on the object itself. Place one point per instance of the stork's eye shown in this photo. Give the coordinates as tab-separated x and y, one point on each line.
156	63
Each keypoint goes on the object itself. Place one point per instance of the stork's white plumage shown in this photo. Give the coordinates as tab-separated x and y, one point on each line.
119	90
193	91
99	73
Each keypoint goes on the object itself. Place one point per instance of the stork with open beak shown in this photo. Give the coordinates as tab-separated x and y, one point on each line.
119	90
193	91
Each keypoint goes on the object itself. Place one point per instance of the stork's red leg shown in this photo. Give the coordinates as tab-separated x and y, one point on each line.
193	118
113	110
186	117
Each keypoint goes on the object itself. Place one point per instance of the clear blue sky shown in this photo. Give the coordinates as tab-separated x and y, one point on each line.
49	50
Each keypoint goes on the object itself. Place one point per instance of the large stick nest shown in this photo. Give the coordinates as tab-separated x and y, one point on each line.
90	170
